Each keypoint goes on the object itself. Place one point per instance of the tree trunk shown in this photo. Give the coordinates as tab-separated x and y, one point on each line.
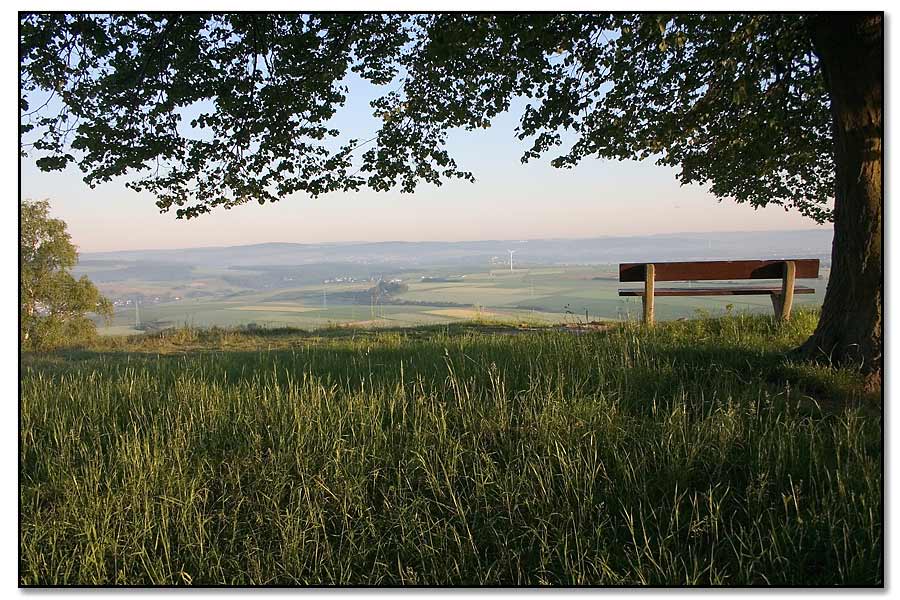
851	53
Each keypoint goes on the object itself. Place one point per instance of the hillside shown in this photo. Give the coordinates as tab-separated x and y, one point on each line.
813	243
692	453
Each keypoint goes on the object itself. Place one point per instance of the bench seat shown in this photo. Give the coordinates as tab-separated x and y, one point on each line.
717	291
726	271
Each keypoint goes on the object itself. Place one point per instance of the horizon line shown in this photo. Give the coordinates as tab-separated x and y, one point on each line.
510	240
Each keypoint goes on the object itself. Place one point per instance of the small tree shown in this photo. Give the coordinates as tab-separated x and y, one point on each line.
53	303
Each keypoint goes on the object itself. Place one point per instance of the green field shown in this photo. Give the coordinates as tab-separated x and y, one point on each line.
692	453
545	295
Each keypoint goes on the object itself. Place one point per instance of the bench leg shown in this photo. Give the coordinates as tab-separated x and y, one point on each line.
786	300
647	300
776	304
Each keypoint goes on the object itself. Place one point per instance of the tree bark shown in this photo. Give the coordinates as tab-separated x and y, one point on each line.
850	329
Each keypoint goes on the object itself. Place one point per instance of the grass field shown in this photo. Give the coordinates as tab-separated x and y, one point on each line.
692	453
290	308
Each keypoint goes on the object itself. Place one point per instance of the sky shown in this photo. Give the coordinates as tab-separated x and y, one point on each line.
509	200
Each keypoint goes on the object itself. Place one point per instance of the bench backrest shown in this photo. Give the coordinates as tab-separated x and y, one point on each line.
807	268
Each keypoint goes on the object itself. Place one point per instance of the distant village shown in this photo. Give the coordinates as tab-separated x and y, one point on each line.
126	302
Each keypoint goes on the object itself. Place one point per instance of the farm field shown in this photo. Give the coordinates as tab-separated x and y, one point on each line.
535	295
695	452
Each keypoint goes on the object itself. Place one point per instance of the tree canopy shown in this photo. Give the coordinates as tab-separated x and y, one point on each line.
208	110
53	304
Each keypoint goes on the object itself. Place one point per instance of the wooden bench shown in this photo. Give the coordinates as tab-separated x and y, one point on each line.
782	296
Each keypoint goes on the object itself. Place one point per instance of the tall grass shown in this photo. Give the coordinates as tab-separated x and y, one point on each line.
694	453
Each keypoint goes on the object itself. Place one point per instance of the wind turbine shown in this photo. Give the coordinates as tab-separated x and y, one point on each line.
511	252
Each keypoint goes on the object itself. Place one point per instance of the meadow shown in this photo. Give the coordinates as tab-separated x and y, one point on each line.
696	452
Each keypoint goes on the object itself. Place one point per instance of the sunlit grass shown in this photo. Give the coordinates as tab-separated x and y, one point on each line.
692	453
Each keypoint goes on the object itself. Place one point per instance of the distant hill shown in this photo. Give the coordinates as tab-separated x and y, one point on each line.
810	243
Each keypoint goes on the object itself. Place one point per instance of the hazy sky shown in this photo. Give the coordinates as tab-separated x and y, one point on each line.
508	201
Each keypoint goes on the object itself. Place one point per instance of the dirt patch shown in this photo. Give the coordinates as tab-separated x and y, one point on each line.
463	313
